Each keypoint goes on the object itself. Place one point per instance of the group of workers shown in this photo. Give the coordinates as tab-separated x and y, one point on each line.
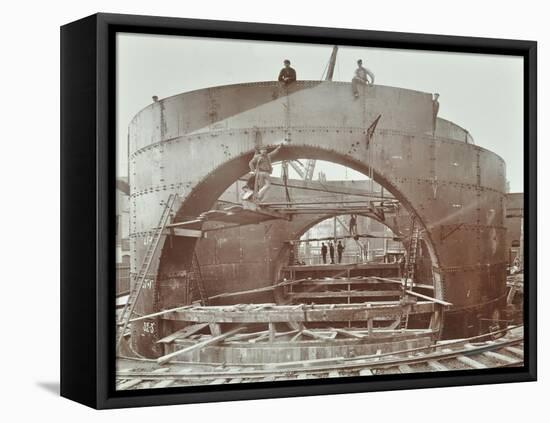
362	76
330	249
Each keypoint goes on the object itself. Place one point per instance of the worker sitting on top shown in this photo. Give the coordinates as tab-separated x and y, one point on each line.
261	166
361	77
287	74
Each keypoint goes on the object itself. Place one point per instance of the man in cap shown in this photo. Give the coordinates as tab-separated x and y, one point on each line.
287	74
361	77
340	250
261	166
331	252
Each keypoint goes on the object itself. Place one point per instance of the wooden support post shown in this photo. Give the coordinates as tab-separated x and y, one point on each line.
271	332
295	337
369	326
215	329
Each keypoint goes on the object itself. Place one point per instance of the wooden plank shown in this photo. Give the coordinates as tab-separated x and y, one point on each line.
189	233
316	335
129	384
199	345
195	222
436	365
469	361
346	281
245	336
395	324
405	368
164	383
352	266
369	327
500	357
218	381
348	333
295	337
182	333
425	297
516	351
309	313
215	329
160	313
259	338
344	294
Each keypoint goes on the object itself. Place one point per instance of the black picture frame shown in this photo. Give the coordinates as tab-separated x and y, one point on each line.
88	208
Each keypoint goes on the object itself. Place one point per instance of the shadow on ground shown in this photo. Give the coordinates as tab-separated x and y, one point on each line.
51	387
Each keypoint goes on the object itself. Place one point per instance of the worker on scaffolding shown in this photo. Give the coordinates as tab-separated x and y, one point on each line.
291	254
324	251
287	74
353	226
331	252
248	188
361	77
401	262
261	167
340	251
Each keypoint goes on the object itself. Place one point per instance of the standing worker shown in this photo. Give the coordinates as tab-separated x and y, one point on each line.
291	254
361	77
287	74
353	225
261	166
340	250
248	188
324	252
331	252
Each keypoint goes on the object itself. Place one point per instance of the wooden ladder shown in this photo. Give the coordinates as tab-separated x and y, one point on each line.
411	256
197	279
141	276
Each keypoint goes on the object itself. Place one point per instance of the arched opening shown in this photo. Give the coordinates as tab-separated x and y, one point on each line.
177	253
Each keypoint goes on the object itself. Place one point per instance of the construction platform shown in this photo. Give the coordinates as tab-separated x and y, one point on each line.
238	215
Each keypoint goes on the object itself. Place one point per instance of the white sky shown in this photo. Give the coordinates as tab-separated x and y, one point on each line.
482	93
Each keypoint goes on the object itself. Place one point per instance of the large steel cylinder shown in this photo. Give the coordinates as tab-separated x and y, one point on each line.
197	144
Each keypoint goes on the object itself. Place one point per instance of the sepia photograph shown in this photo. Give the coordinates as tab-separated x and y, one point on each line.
298	211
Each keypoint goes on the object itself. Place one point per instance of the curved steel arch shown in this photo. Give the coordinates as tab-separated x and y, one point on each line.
194	143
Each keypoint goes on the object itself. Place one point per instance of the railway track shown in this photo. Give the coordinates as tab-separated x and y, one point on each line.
465	354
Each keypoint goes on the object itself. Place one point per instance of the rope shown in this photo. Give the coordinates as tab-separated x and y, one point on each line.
285	181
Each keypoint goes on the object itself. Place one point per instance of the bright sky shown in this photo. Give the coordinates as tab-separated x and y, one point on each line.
481	93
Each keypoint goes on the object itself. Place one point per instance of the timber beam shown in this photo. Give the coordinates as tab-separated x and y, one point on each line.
299	313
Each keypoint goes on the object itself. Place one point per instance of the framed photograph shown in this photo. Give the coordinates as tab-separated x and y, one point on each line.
254	211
